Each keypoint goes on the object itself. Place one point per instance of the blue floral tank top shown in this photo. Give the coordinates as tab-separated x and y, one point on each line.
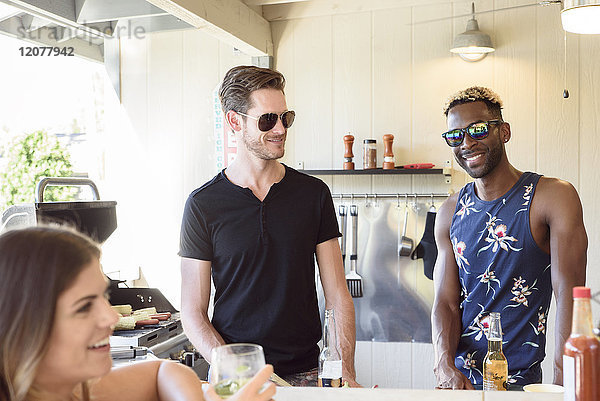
501	269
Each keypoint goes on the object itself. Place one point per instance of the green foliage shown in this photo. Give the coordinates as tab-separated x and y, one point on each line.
29	158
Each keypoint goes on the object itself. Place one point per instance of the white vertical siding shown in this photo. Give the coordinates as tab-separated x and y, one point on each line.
168	81
394	78
370	73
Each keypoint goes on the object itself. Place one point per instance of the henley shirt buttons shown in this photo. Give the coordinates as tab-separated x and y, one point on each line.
262	220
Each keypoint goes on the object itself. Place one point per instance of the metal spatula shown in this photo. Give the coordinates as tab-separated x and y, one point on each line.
353	280
343	214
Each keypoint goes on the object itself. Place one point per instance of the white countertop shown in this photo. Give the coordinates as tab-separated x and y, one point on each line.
363	394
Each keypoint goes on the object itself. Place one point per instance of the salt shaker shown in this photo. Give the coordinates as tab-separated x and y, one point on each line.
388	154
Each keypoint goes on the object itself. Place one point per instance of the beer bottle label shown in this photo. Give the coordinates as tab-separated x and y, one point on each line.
495	379
495	384
331	376
332	369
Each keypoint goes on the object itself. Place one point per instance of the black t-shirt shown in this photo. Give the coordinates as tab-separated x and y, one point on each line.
262	257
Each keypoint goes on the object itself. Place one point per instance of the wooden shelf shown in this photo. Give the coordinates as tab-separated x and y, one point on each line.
375	171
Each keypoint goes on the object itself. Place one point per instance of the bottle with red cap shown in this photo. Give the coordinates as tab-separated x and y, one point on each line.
581	357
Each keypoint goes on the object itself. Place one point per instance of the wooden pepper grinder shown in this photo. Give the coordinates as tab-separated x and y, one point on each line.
388	155
348	155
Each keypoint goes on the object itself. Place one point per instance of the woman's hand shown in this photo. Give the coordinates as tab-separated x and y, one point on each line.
251	391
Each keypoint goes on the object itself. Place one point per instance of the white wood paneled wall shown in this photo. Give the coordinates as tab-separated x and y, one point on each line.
394	365
382	71
167	85
370	73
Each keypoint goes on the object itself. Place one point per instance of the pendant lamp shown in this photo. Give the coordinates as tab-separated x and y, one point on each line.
472	45
581	16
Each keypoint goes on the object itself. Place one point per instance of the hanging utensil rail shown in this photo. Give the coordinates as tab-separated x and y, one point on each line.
384	196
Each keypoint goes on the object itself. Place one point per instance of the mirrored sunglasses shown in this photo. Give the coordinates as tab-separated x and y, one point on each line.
479	130
267	121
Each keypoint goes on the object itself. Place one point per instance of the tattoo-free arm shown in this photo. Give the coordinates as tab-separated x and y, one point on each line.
170	381
568	255
446	314
195	296
148	381
337	297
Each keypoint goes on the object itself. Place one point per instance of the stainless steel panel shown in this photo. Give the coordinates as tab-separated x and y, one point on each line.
396	306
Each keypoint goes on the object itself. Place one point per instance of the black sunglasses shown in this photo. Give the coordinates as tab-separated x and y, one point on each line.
479	130
267	121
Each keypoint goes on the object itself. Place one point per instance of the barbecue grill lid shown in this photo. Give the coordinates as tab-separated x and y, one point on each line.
140	298
98	219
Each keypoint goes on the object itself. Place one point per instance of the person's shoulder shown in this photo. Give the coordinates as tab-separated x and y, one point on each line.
551	187
208	187
450	203
443	219
112	385
446	211
556	201
452	198
555	197
298	176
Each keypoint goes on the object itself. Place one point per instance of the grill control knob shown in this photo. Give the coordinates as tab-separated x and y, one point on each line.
188	359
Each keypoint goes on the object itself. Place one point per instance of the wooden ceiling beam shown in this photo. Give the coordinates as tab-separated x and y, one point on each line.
270	2
318	8
229	20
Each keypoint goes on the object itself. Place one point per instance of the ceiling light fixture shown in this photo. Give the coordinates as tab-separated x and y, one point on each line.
472	45
581	16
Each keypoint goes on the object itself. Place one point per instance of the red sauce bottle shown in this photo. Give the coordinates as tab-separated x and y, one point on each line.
581	357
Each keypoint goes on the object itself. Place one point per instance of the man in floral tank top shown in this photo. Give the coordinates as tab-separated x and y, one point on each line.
506	242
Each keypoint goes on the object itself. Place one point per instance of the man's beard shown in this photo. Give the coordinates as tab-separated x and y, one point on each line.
259	149
492	159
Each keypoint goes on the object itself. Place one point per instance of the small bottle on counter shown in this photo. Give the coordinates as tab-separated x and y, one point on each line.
330	358
369	154
495	365
581	356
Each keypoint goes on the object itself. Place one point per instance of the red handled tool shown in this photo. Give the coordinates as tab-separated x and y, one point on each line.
416	166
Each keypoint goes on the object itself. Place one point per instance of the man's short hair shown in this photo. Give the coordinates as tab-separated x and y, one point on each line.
476	94
241	81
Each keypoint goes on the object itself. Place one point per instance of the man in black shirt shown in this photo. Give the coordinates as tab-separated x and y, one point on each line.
256	227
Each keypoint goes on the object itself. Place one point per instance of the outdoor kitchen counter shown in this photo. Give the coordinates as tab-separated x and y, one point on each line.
364	394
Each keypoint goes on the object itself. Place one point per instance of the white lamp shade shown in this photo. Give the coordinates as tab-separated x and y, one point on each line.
472	45
471	57
472	49
581	16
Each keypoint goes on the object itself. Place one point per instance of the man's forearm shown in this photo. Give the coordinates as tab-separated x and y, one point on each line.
564	313
201	333
445	322
346	333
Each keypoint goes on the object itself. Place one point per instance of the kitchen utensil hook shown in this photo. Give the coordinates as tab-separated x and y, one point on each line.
432	207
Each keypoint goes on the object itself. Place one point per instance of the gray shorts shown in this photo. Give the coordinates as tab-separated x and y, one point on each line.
303	379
